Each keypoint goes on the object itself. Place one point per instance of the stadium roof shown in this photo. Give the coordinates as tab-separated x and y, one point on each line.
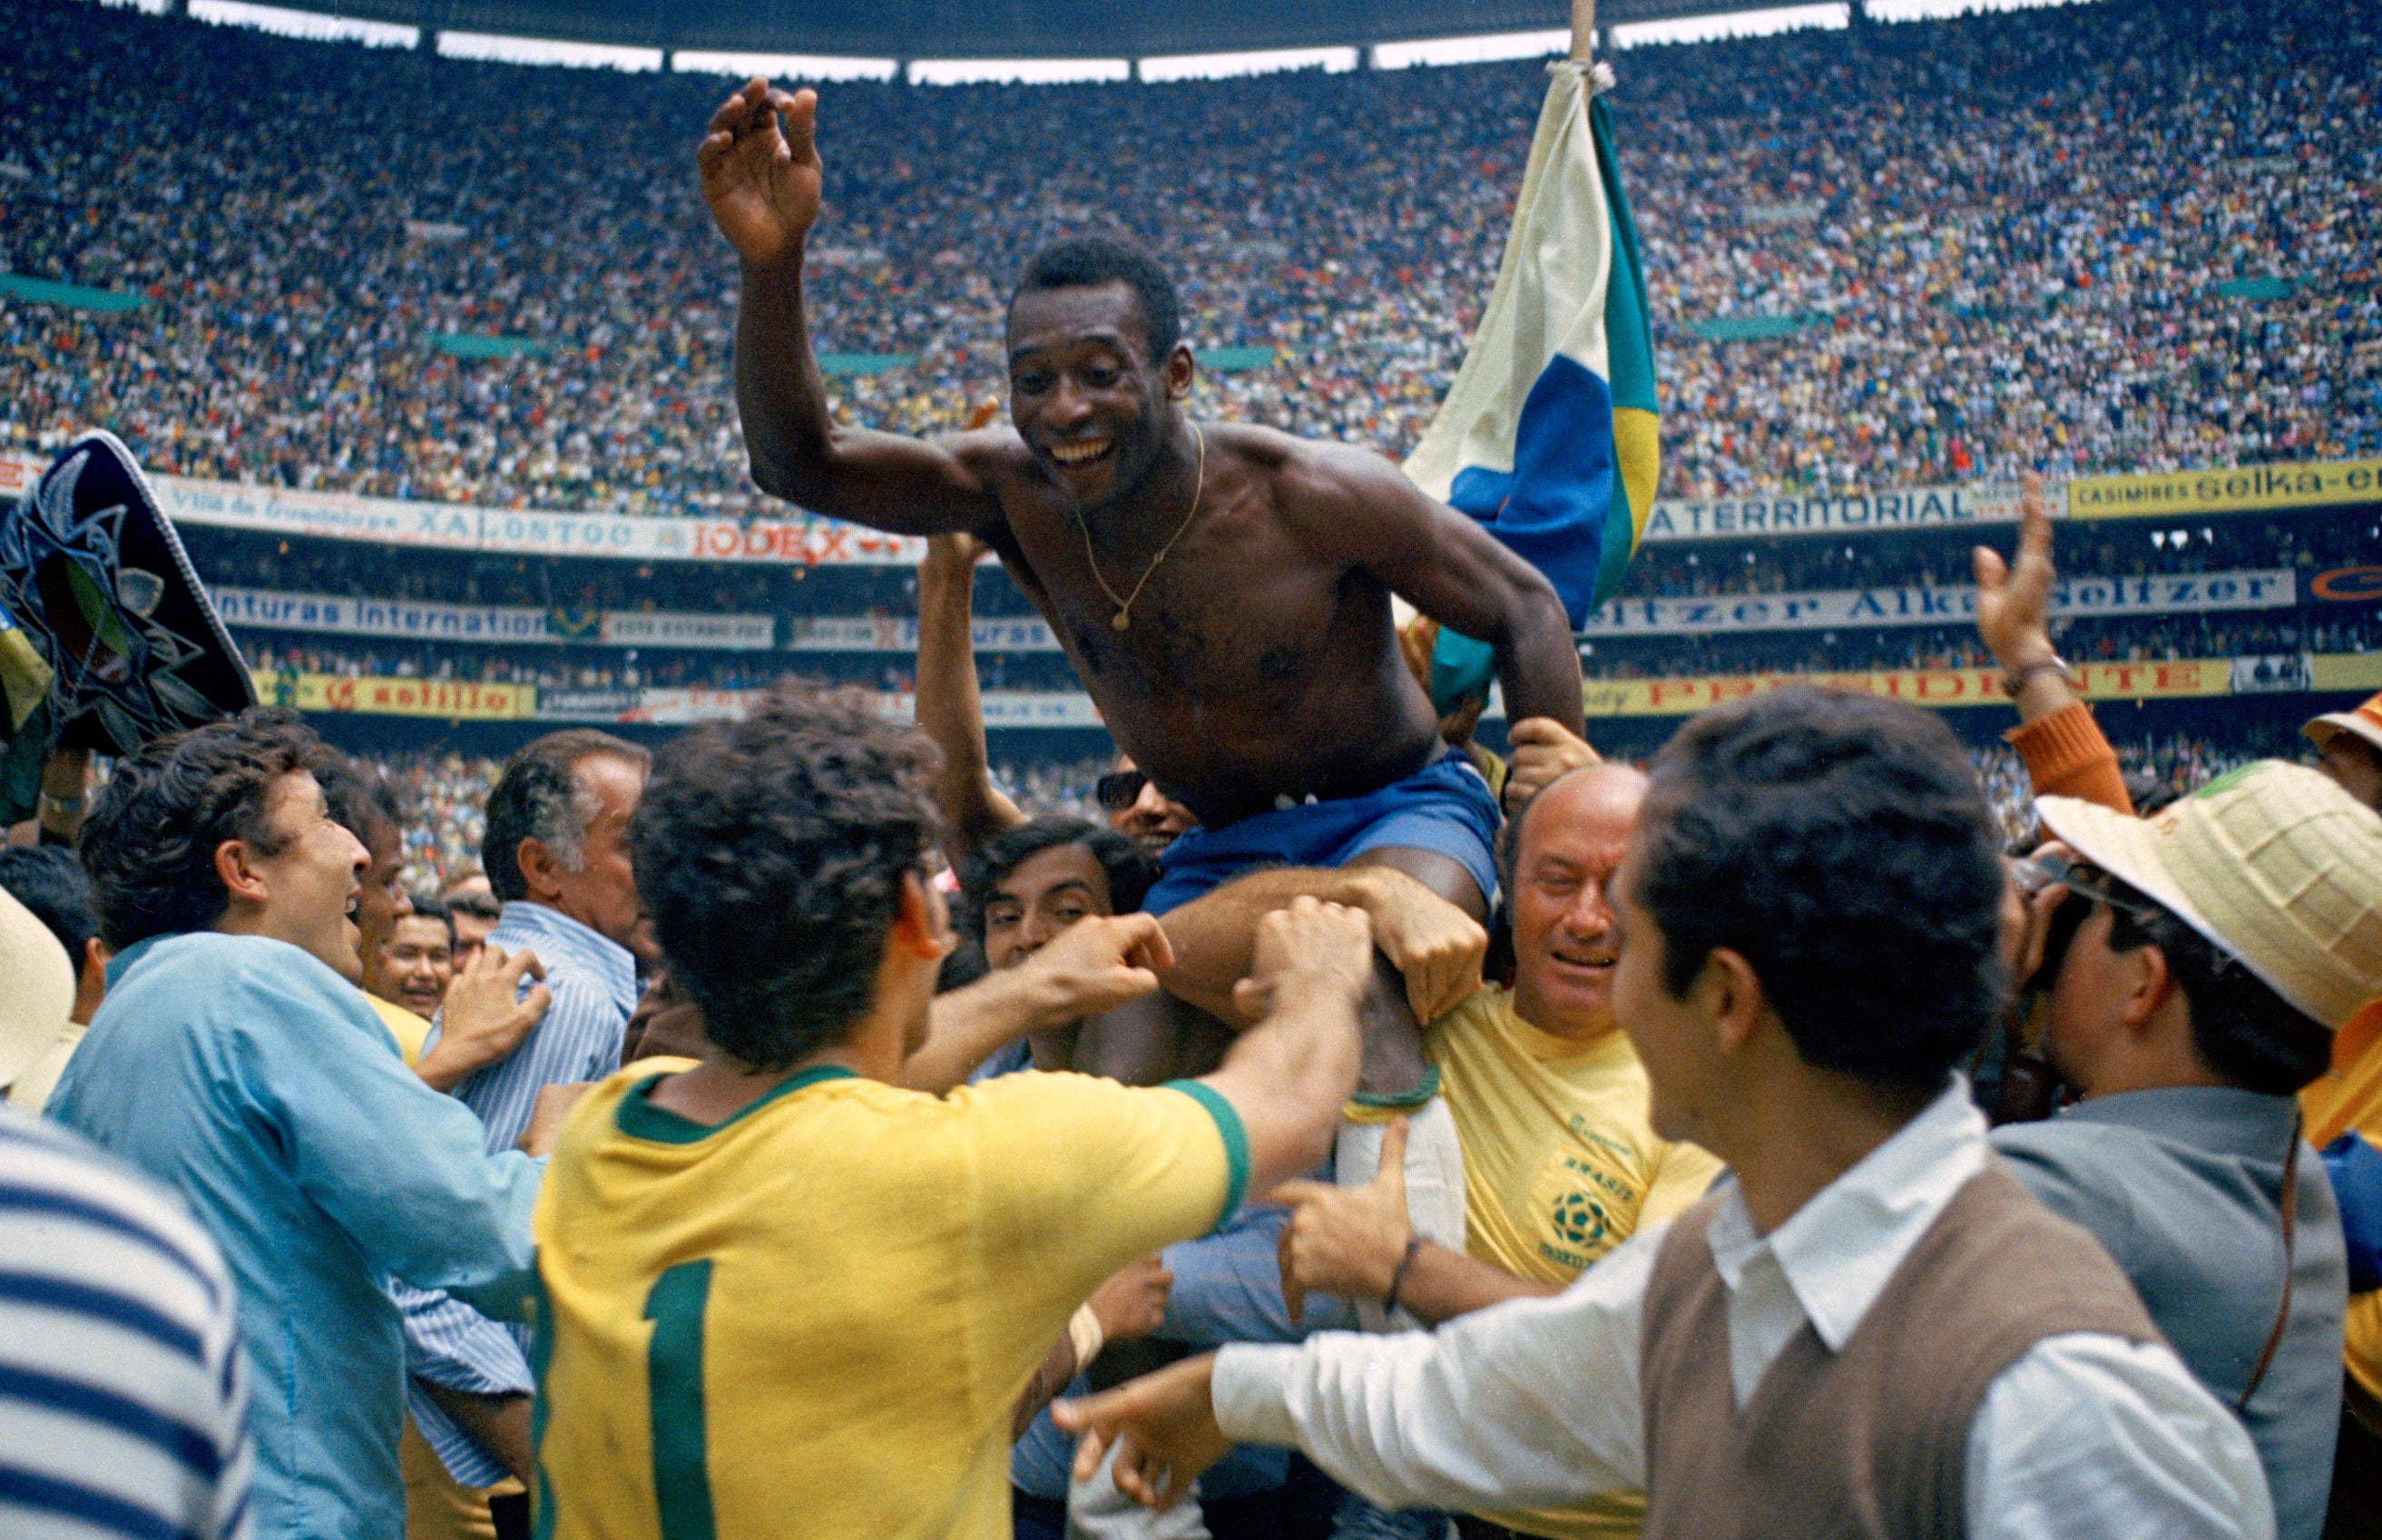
997	29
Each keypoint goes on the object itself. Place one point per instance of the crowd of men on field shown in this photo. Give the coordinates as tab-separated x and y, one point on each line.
1768	984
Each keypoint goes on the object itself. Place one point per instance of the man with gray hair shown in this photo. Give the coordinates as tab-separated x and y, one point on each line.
557	854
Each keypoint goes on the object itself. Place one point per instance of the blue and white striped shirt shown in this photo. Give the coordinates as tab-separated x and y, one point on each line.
123	1399
446	1342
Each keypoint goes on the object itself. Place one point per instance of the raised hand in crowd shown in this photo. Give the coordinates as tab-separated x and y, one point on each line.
485	1015
760	176
1543	751
1434	944
1133	1303
1162	1427
1095	964
1346	1240
2013	610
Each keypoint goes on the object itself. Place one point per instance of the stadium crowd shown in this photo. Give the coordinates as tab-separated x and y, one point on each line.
2007	237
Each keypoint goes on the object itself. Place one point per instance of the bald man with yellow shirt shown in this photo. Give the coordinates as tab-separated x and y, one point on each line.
1550	1102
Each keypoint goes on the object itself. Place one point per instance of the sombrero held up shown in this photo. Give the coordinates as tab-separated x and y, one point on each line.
92	572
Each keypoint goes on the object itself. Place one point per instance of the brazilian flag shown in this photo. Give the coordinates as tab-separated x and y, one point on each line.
1548	437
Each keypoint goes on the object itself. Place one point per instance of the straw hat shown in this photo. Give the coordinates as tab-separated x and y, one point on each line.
2273	863
2365	722
37	989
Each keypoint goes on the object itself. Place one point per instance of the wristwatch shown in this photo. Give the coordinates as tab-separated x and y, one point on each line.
2015	679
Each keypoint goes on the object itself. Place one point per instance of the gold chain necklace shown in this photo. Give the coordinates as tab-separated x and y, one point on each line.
1123	617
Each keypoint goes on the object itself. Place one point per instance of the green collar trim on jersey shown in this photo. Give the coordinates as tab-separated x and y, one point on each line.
639	1118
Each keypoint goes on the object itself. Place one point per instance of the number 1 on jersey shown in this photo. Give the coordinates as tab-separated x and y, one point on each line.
674	1397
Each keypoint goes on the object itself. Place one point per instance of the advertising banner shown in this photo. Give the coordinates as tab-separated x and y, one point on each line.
18	473
355	617
1002	708
2306	485
464	622
2179	593
2273	674
2345	671
1943	687
453	699
2347	586
1863	513
587	705
527	532
899	633
663	628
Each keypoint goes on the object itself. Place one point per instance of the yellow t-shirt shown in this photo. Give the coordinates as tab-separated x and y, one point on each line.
814	1318
410	1030
1560	1166
2349	1096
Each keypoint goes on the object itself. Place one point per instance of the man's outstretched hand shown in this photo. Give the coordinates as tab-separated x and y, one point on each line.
762	181
1345	1240
1097	964
1544	752
1162	1426
2014	598
1435	946
485	1015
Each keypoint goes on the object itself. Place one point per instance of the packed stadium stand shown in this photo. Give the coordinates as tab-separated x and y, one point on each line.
2101	239
2122	236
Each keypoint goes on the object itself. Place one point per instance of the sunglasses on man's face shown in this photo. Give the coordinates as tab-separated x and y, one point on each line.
2088	881
1119	790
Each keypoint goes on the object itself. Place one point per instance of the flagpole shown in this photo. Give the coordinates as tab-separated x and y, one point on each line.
1583	30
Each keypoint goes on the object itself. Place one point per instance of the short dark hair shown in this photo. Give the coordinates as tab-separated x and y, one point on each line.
149	841
481	906
770	853
427	907
1841	845
45	879
539	798
360	797
2245	1033
1130	872
1092	261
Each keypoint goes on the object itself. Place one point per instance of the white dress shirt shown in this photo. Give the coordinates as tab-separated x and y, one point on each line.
1536	1403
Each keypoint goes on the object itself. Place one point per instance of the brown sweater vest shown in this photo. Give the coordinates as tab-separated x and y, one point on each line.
1872	1441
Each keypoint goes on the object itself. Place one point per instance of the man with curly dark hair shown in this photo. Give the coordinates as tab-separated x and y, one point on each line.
236	1060
833	1290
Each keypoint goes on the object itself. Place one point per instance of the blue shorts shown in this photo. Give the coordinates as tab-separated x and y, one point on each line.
1443	807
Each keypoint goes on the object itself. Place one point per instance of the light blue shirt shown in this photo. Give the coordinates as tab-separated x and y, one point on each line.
595	984
258	1084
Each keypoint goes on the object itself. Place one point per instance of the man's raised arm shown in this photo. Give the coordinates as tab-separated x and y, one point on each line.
1359	506
762	181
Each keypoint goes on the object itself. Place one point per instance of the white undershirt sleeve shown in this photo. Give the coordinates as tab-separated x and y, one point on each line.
2091	1435
1533	1403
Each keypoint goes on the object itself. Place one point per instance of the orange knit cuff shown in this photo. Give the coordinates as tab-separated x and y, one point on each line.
2067	755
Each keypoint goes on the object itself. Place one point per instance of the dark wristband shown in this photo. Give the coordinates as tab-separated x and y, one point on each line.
1399	1275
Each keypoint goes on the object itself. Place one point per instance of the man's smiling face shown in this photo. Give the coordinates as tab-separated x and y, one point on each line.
1090	403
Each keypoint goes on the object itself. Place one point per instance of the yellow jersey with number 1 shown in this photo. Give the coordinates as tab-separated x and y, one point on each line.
814	1318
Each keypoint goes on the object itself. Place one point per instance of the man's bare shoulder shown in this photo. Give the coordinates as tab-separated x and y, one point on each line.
996	455
1309	475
